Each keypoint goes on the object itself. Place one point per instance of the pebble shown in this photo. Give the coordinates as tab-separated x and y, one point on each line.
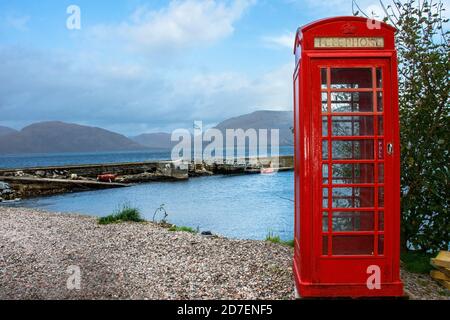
133	261
145	261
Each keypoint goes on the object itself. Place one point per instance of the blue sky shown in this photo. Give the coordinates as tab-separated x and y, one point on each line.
147	66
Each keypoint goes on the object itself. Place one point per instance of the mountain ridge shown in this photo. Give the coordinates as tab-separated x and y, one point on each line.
61	137
158	140
6	130
261	119
264	119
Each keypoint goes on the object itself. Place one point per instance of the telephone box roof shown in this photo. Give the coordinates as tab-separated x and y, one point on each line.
344	26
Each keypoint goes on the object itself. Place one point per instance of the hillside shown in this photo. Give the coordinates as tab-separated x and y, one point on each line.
60	137
282	120
55	137
5	131
154	140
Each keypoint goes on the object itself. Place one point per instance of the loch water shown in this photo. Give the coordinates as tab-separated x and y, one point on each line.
235	206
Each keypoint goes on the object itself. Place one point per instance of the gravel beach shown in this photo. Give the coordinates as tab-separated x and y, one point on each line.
133	261
143	261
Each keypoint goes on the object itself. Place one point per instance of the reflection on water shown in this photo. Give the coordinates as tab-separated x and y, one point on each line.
241	206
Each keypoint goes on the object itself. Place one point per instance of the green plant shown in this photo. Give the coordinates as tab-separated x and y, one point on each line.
271	237
423	47
125	213
289	243
183	229
424	109
444	292
416	261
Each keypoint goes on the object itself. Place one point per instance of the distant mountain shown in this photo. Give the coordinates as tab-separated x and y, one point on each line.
60	137
53	137
282	120
154	140
5	130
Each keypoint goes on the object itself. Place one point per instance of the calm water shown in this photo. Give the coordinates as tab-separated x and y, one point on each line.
245	206
241	206
61	159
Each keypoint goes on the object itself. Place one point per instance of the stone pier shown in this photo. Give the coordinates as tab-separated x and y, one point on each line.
42	181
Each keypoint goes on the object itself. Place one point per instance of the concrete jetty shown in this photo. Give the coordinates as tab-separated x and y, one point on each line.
27	187
42	181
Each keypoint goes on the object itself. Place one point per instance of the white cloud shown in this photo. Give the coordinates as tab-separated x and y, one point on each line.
285	40
129	97
180	25
214	97
132	95
18	22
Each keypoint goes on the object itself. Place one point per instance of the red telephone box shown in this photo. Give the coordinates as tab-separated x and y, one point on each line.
347	160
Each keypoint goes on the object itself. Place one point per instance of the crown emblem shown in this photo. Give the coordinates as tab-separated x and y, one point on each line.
348	28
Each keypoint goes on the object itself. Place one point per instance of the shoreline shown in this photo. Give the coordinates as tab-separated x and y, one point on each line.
35	182
144	261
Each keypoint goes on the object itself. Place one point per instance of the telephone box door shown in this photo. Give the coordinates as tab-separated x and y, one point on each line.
352	146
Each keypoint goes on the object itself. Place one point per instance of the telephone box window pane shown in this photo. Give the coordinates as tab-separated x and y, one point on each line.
353	221
380	126
353	173
381	197
380	106
379	78
325	126
381	244
356	197
325	245
324	102
325	222
352	126
353	245
325	198
351	78
325	173
381	221
323	73
351	102
352	149
324	149
381	173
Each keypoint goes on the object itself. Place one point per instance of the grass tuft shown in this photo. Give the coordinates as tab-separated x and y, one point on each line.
289	243
276	239
125	214
182	229
416	261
